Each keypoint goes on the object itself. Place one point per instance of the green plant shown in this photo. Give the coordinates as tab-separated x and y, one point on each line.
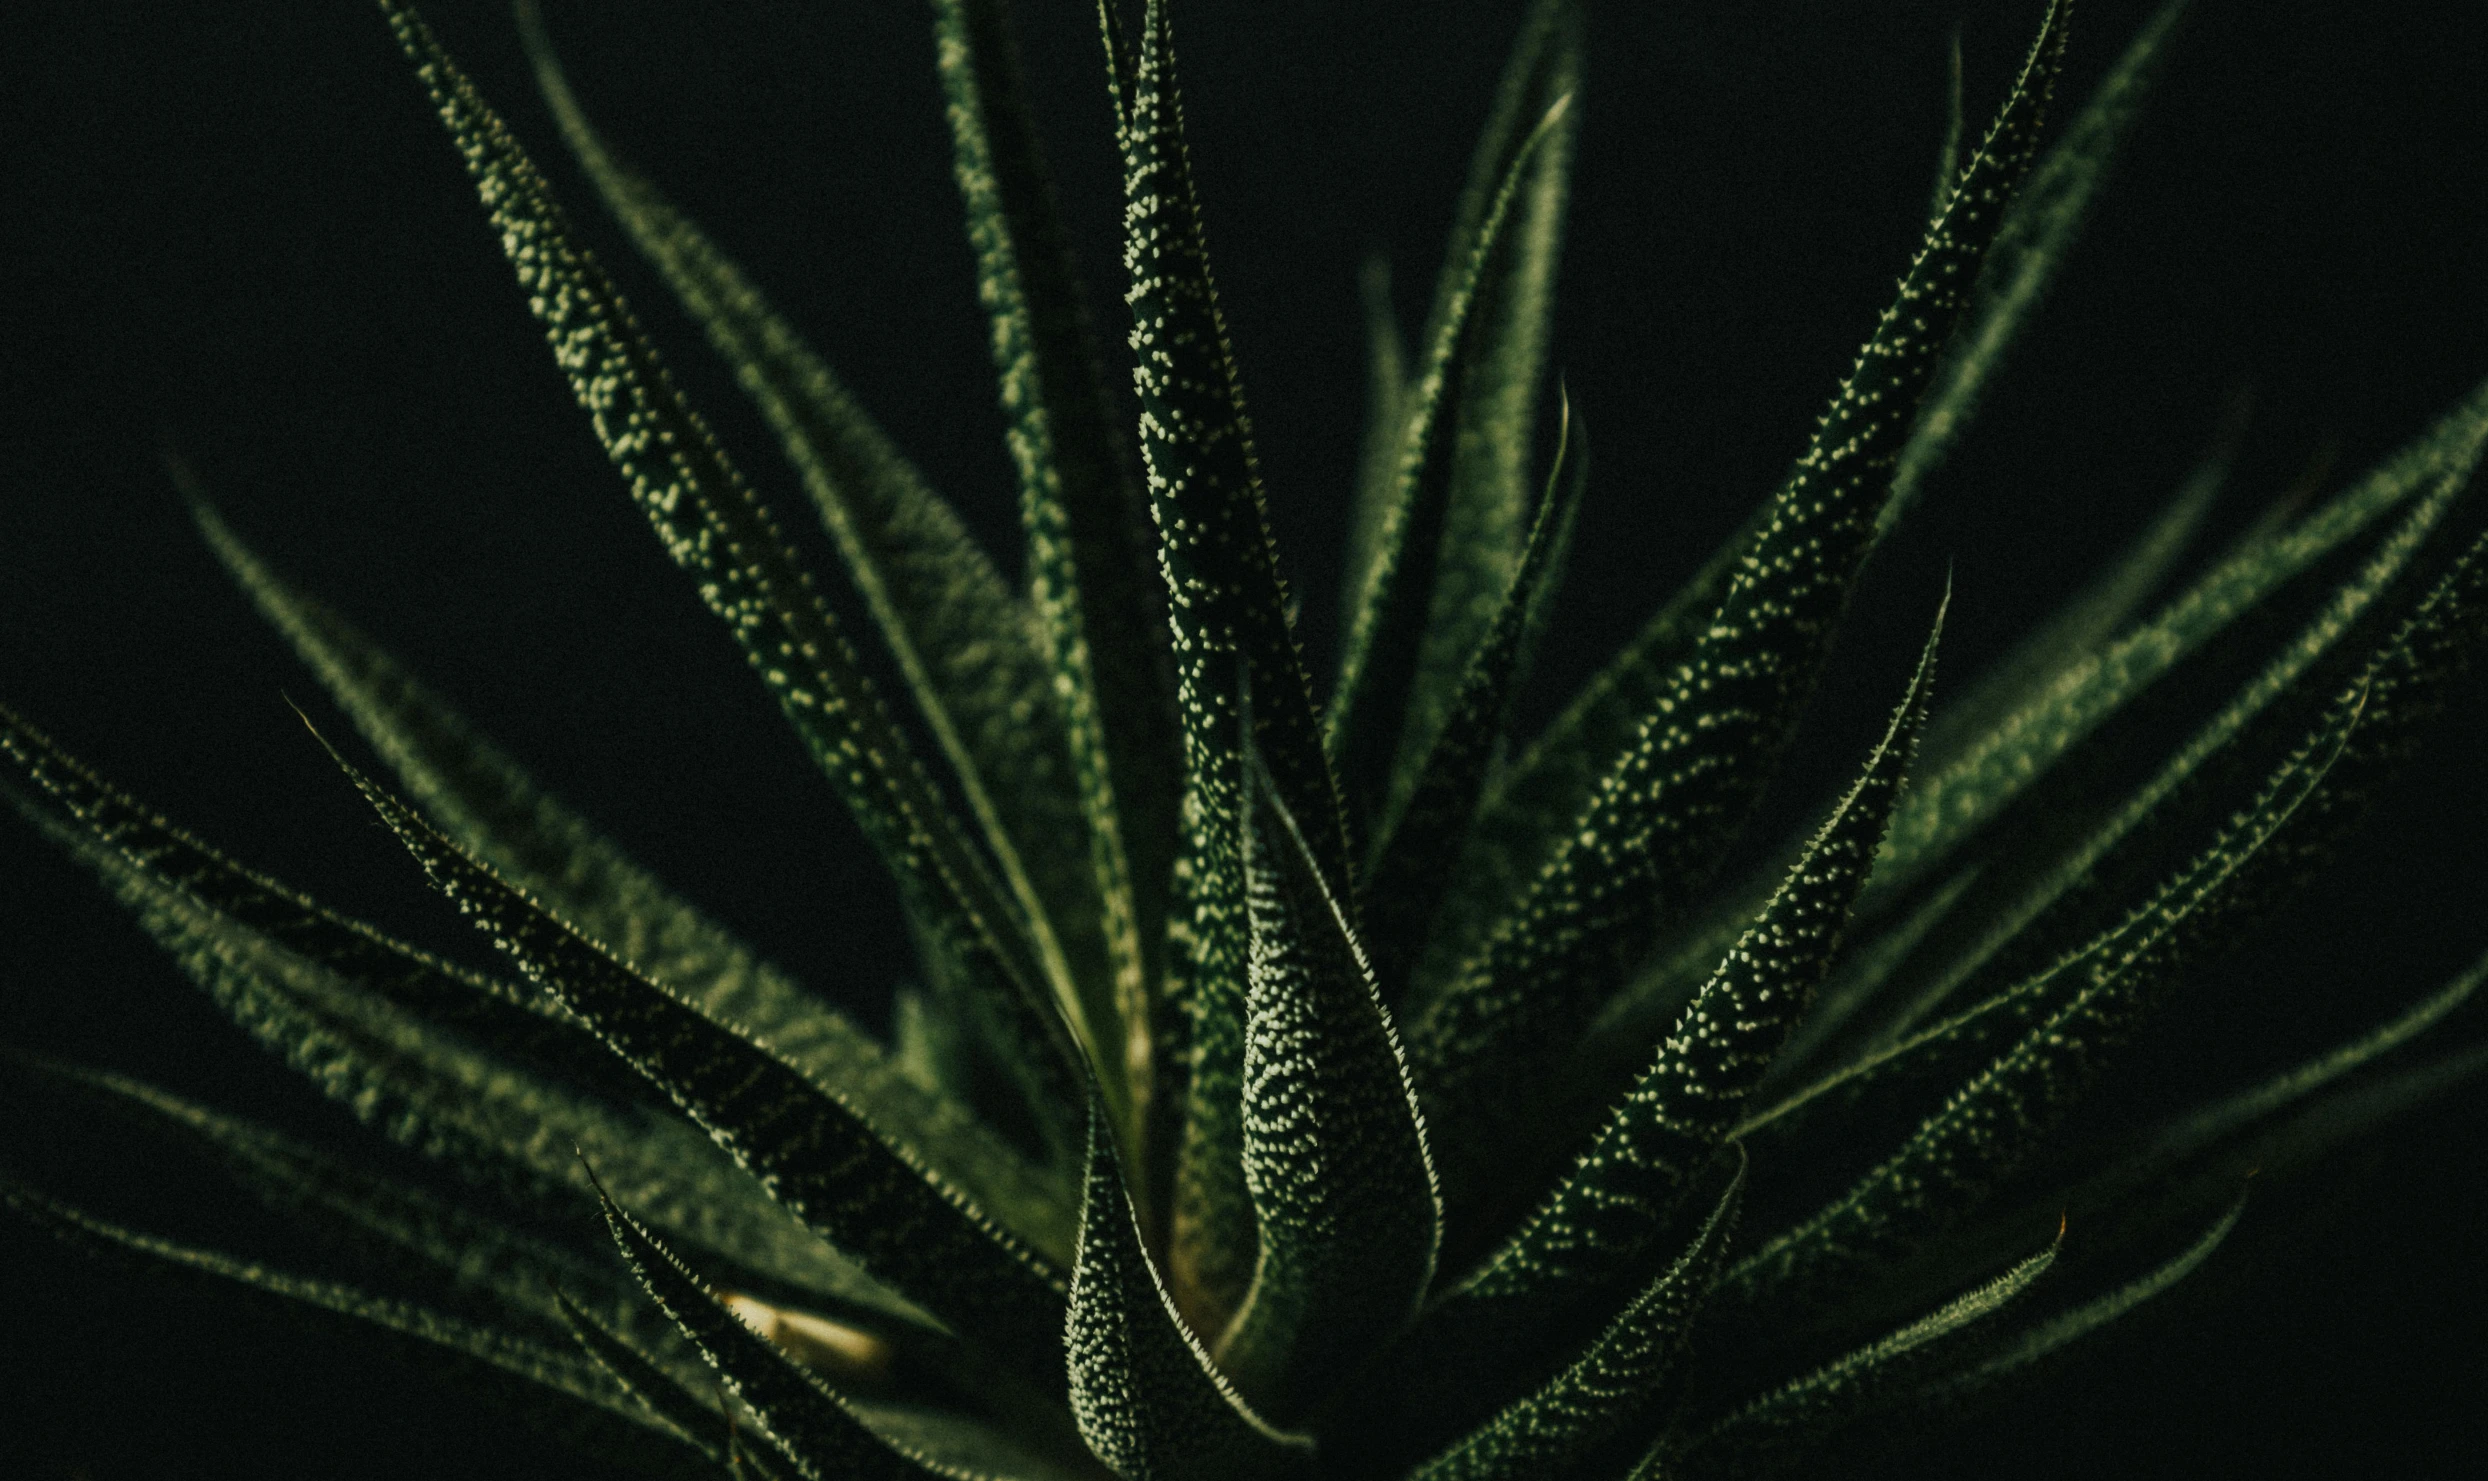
2377	574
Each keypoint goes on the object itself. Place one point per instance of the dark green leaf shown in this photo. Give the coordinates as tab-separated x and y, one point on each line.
352	1011
1603	1219
1424	823
489	806
444	1243
1386	417
646	1380
1839	1389
1999	765
713	526
2030	249
804	1420
969	650
1146	1396
2012	944
1092	562
2041	1339
1232	635
809	1149
1665	808
1613	1383
529	1361
2093	617
1956	123
1617	810
1443	555
1334	1149
2087	1006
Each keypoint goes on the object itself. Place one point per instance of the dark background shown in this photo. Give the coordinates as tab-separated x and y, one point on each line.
239	230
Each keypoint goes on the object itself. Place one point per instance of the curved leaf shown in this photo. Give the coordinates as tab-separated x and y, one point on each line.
484	802
1839	1389
1334	1146
804	1420
1999	765
1231	635
1759	612
1611	1384
2030	250
1092	561
1415	619
1603	1218
967	648
1425	823
2092	1002
808	1148
711	524
1144	1392
1666	807
545	1367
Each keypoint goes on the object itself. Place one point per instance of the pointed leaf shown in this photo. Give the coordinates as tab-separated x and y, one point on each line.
2230	1115
1840	1388
1334	1146
1493	424
2092	1003
1143	1390
1092	560
1443	555
1386	417
808	1148
1956	123
2094	616
647	1381
804	1420
1666	807
1613	1383
1603	1218
2415	639
711	524
491	808
86	812
1425	824
539	1364
2041	1339
443	1241
2030	249
1996	768
1619	809
967	648
351	1010
1231	634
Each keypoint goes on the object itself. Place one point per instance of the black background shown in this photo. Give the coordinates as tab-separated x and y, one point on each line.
239	230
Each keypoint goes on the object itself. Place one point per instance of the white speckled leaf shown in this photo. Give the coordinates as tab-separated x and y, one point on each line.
2087	1007
807	1423
1426	821
1228	612
1144	1392
1445	547
1665	808
1612	1384
491	808
1601	1221
1092	558
807	1147
712	525
1334	1149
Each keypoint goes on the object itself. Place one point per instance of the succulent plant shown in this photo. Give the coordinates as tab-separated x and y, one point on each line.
1310	1077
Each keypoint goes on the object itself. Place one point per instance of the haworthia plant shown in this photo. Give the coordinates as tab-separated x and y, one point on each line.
1308	1072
